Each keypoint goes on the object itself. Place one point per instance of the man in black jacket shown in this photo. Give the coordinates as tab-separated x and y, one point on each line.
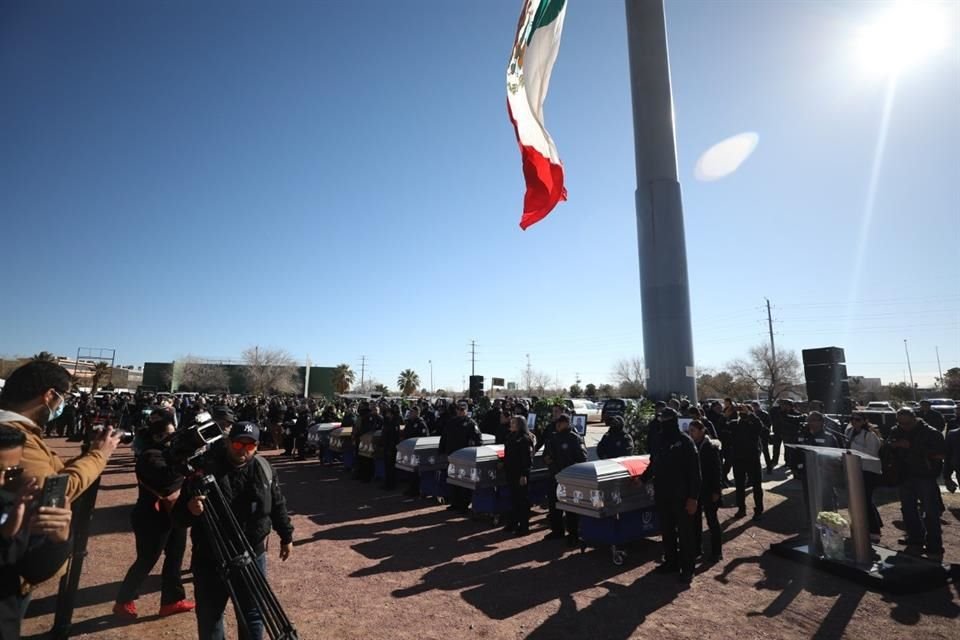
159	488
746	433
414	427
919	452
564	448
787	427
711	473
250	487
931	417
815	435
675	472
460	432
615	442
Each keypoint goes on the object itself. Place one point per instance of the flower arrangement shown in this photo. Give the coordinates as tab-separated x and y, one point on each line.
834	521
833	529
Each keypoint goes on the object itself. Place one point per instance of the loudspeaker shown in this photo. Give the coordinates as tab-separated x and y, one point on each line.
823	355
831	395
835	373
476	387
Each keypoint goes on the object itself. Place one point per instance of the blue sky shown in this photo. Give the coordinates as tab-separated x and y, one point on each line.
340	179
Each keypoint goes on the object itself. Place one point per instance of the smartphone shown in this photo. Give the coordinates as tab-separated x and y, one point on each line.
54	491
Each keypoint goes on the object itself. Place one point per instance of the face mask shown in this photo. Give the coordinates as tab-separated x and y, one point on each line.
56	413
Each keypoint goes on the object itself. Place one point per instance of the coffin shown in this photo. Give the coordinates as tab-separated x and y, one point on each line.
319	434
604	488
341	439
479	467
423	454
371	445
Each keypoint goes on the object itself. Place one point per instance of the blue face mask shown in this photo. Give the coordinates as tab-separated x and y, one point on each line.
54	414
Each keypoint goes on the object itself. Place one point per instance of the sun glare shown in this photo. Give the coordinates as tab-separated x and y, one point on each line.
906	34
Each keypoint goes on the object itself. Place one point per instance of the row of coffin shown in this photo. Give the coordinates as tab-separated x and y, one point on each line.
598	488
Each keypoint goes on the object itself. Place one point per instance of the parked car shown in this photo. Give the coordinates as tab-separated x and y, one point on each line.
879	406
944	406
613	407
585	407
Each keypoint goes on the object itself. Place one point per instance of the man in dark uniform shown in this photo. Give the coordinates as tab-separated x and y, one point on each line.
564	448
675	472
815	435
389	439
550	429
369	422
414	427
460	432
787	427
931	417
711	471
746	433
766	421
615	442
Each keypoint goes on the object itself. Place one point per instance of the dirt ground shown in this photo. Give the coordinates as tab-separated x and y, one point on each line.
370	564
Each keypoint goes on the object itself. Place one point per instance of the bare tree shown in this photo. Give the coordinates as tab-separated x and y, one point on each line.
628	374
773	377
724	384
204	377
270	371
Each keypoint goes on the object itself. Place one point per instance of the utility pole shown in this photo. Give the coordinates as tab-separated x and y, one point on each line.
661	243
529	372
939	368
363	368
473	358
910	369
774	371
430	362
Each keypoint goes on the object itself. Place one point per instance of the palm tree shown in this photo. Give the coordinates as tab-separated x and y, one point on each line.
44	356
408	381
100	370
343	377
381	389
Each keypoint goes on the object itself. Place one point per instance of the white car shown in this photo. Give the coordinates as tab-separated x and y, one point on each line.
591	410
879	406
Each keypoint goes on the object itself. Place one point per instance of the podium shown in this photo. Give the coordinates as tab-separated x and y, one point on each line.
834	477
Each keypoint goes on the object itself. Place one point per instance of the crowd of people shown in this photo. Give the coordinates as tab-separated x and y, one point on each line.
693	452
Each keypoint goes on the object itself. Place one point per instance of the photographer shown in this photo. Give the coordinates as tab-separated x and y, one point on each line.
249	485
33	396
159	487
33	543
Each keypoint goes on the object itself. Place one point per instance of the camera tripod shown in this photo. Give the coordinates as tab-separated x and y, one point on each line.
236	562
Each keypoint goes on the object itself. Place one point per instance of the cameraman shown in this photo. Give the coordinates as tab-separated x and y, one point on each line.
249	485
153	529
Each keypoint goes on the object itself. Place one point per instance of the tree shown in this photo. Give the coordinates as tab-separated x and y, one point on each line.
204	377
591	390
343	378
441	393
773	376
900	392
408	381
723	384
100	370
44	356
605	390
270	371
381	388
950	383
628	374
576	391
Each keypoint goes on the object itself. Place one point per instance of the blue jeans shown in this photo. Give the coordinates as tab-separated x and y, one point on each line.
211	596
927	493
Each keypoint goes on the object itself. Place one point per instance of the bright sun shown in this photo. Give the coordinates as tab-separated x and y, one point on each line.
906	34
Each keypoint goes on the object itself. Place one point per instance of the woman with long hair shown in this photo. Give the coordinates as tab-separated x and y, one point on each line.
864	437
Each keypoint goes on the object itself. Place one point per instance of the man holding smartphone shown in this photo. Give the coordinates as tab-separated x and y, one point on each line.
33	540
34	395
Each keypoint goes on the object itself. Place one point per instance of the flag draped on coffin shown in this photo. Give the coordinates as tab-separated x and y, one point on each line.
528	76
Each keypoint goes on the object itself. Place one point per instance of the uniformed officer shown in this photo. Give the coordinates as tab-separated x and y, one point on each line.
815	435
615	442
460	432
675	472
711	474
414	427
563	448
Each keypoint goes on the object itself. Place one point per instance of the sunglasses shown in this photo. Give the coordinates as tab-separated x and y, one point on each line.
12	473
238	446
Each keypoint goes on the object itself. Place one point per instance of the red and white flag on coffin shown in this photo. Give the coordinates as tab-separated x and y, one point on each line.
528	76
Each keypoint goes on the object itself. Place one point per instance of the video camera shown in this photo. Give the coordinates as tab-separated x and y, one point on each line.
126	437
188	444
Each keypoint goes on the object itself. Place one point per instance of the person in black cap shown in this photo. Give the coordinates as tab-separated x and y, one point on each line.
675	472
564	448
250	487
223	416
460	432
615	442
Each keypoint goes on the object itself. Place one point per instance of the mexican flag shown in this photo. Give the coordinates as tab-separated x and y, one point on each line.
528	76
